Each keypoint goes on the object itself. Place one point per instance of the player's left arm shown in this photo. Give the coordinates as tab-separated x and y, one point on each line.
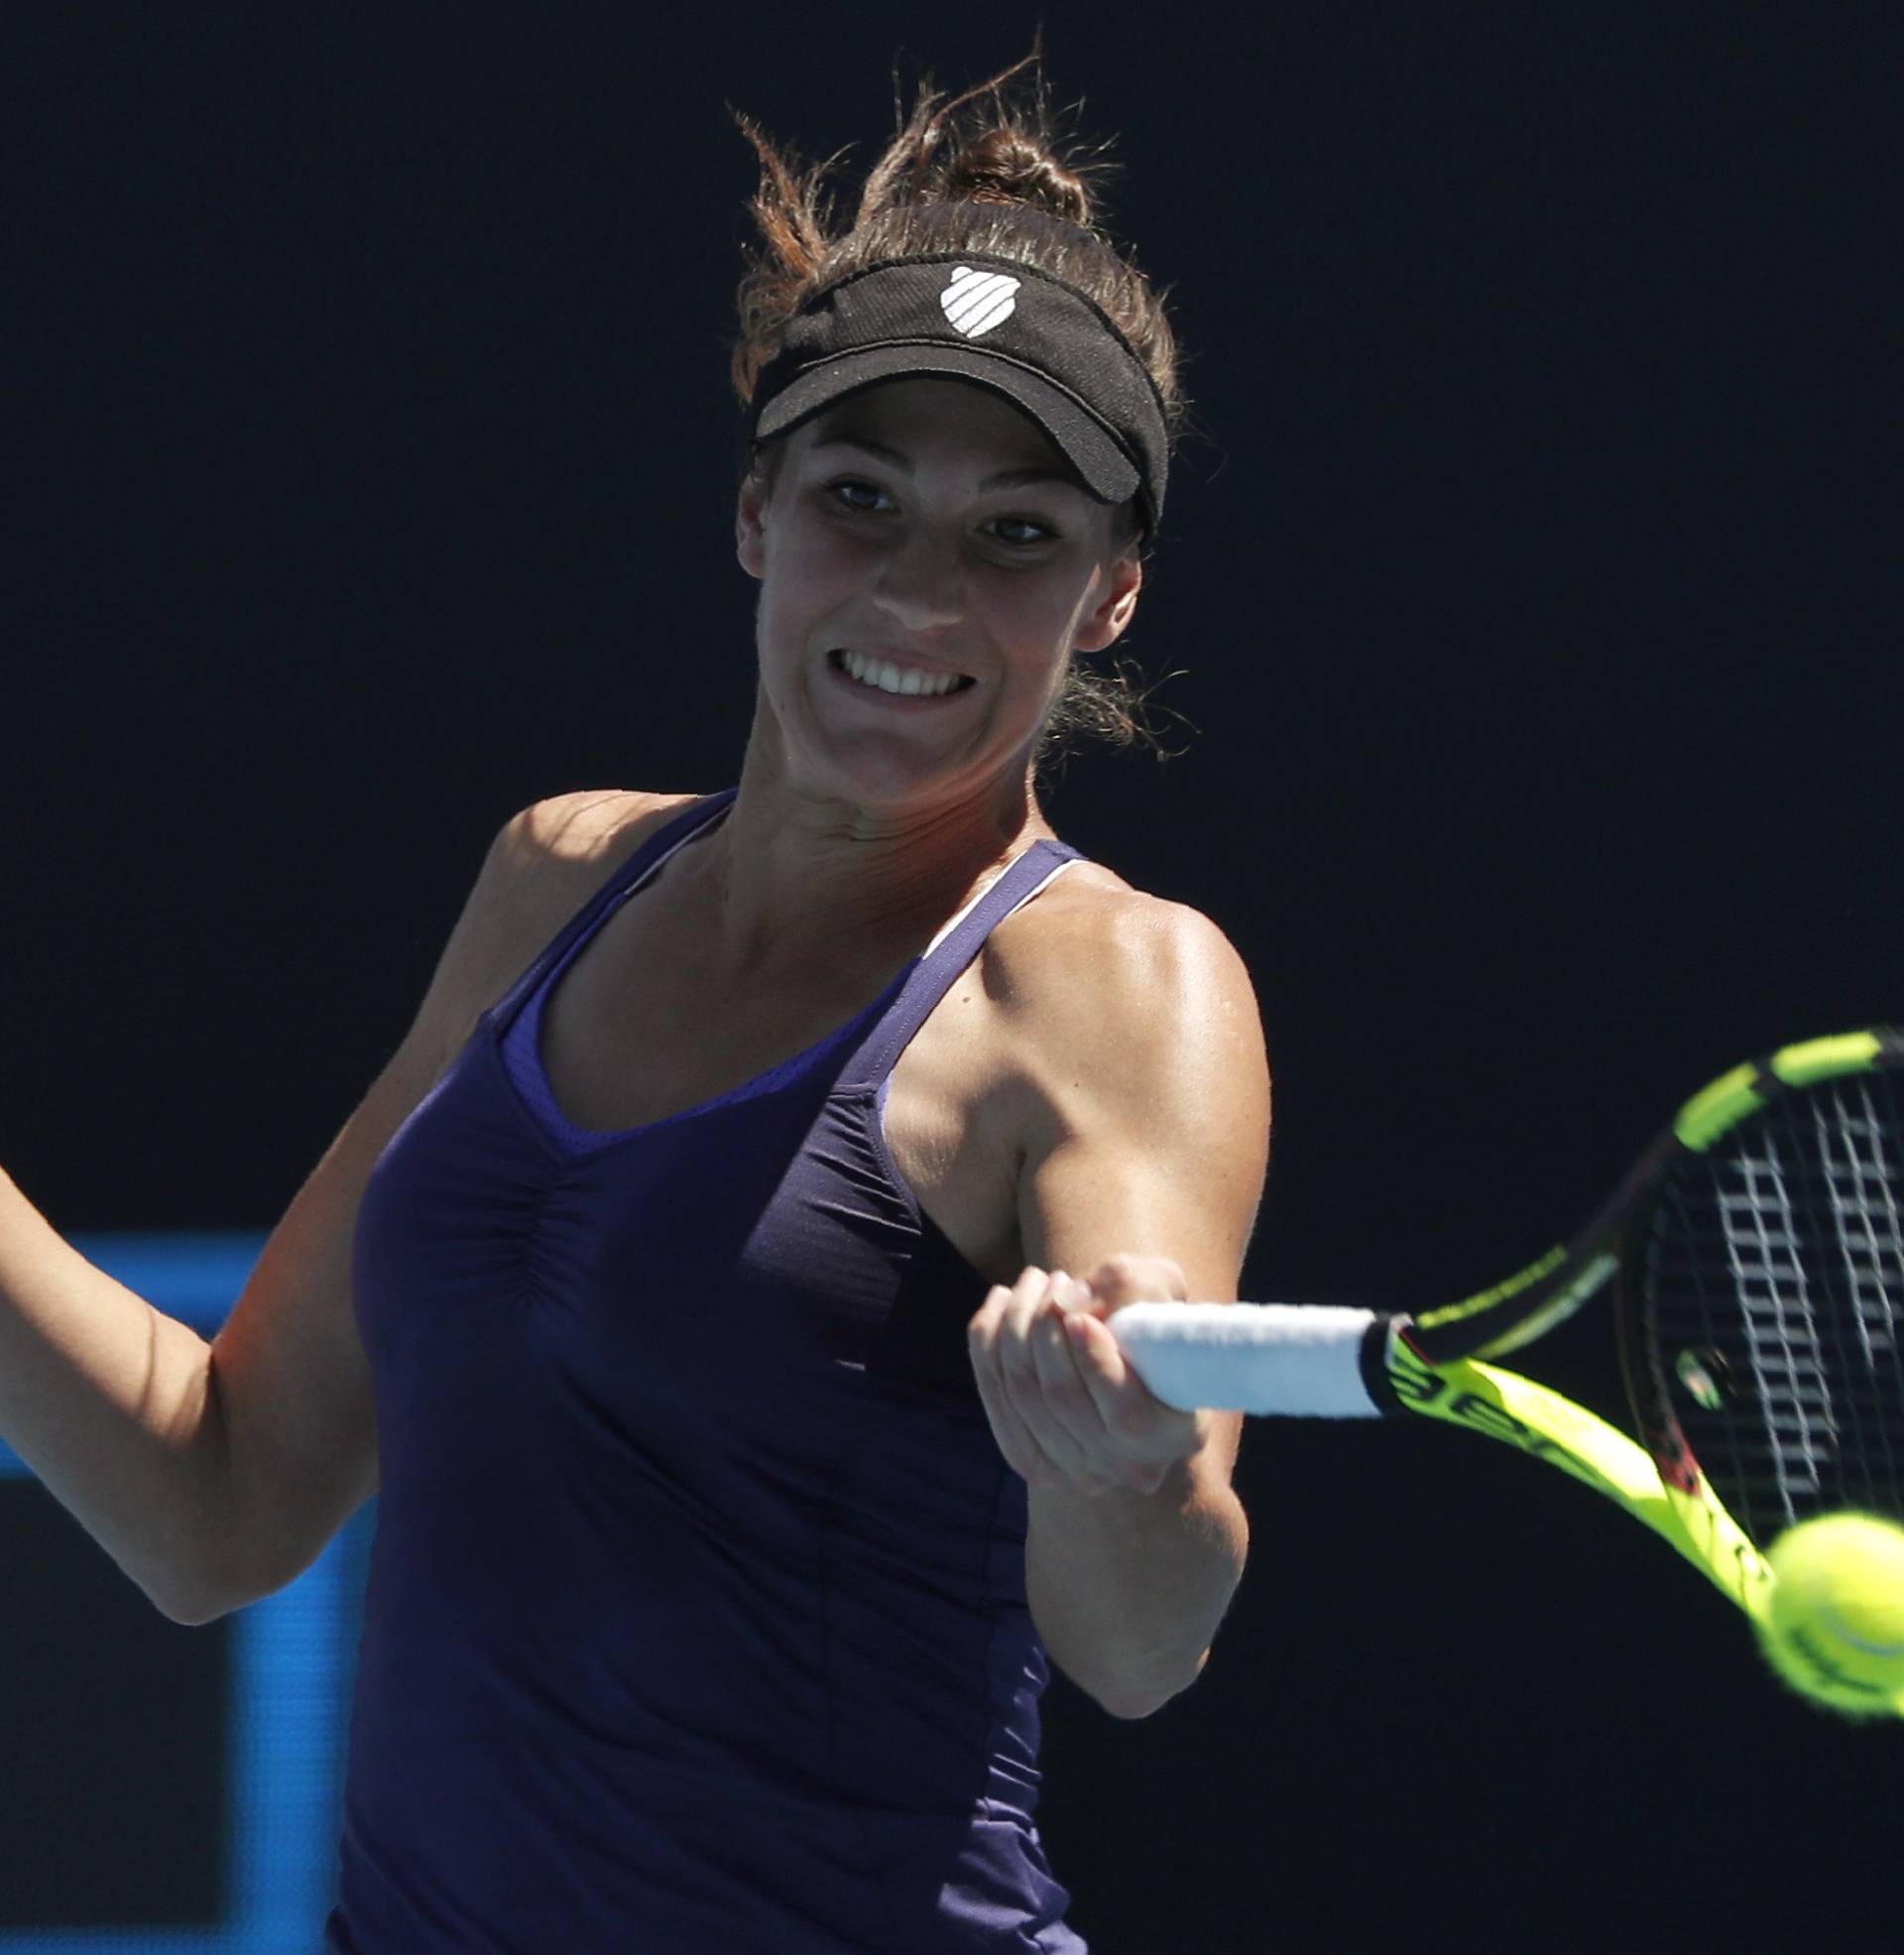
1142	1169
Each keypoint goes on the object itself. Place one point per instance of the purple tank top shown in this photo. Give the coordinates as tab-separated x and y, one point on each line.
696	1617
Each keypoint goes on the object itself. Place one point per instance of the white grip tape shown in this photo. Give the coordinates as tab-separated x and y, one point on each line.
1288	1360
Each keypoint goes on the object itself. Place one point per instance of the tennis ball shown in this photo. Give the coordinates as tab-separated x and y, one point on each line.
1834	1626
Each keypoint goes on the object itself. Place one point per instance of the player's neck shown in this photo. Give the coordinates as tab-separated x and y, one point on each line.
787	877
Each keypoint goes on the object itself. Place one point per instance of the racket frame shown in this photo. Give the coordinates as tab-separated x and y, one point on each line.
1436	1364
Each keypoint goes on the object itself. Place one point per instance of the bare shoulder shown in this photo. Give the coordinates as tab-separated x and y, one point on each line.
553	856
1110	991
543	865
1092	936
589	832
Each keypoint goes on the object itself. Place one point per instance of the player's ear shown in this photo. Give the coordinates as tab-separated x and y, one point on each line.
751	505
750	524
1117	602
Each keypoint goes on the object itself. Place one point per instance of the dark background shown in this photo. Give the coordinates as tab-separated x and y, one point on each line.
1531	592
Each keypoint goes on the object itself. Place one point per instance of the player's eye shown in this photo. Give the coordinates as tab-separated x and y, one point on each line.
1021	531
862	498
857	497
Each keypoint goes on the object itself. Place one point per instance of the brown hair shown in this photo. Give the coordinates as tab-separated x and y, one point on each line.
990	171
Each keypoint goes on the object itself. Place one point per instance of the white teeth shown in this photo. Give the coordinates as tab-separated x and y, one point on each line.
889	679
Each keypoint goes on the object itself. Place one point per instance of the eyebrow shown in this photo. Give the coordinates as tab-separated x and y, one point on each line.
1010	478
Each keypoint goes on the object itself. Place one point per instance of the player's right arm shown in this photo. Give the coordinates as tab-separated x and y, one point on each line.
213	1473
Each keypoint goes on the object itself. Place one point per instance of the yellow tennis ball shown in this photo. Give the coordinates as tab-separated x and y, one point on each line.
1833	1627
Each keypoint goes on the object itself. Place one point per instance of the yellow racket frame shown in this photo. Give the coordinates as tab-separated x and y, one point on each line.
1504	1405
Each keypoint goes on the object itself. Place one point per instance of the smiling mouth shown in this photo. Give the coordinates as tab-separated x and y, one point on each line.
897	682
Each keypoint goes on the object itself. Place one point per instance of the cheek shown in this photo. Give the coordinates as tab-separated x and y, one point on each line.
1039	625
802	583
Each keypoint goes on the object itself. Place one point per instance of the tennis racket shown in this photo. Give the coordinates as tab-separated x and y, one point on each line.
1754	1261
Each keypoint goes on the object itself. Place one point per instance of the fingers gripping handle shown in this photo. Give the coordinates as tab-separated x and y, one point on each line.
1293	1361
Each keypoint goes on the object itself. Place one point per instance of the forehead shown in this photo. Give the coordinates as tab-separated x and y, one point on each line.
927	420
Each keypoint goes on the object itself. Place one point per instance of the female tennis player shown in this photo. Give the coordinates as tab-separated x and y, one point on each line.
713	1282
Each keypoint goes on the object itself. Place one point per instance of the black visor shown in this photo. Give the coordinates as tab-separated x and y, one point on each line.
1039	342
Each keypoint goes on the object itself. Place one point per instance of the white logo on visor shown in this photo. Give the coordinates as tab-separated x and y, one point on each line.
976	302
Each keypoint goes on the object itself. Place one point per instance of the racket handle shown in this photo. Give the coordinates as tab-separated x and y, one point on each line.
1283	1360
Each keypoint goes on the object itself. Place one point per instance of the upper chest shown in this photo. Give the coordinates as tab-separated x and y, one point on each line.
643	1025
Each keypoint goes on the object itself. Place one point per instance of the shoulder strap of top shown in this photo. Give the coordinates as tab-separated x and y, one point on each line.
648	857
932	974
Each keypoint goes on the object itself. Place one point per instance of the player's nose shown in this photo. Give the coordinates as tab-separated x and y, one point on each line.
921	582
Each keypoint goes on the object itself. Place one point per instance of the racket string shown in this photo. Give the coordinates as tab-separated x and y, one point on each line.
1862	1179
1777	1261
1862	1166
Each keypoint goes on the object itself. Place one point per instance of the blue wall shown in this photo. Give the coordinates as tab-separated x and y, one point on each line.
289	1686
